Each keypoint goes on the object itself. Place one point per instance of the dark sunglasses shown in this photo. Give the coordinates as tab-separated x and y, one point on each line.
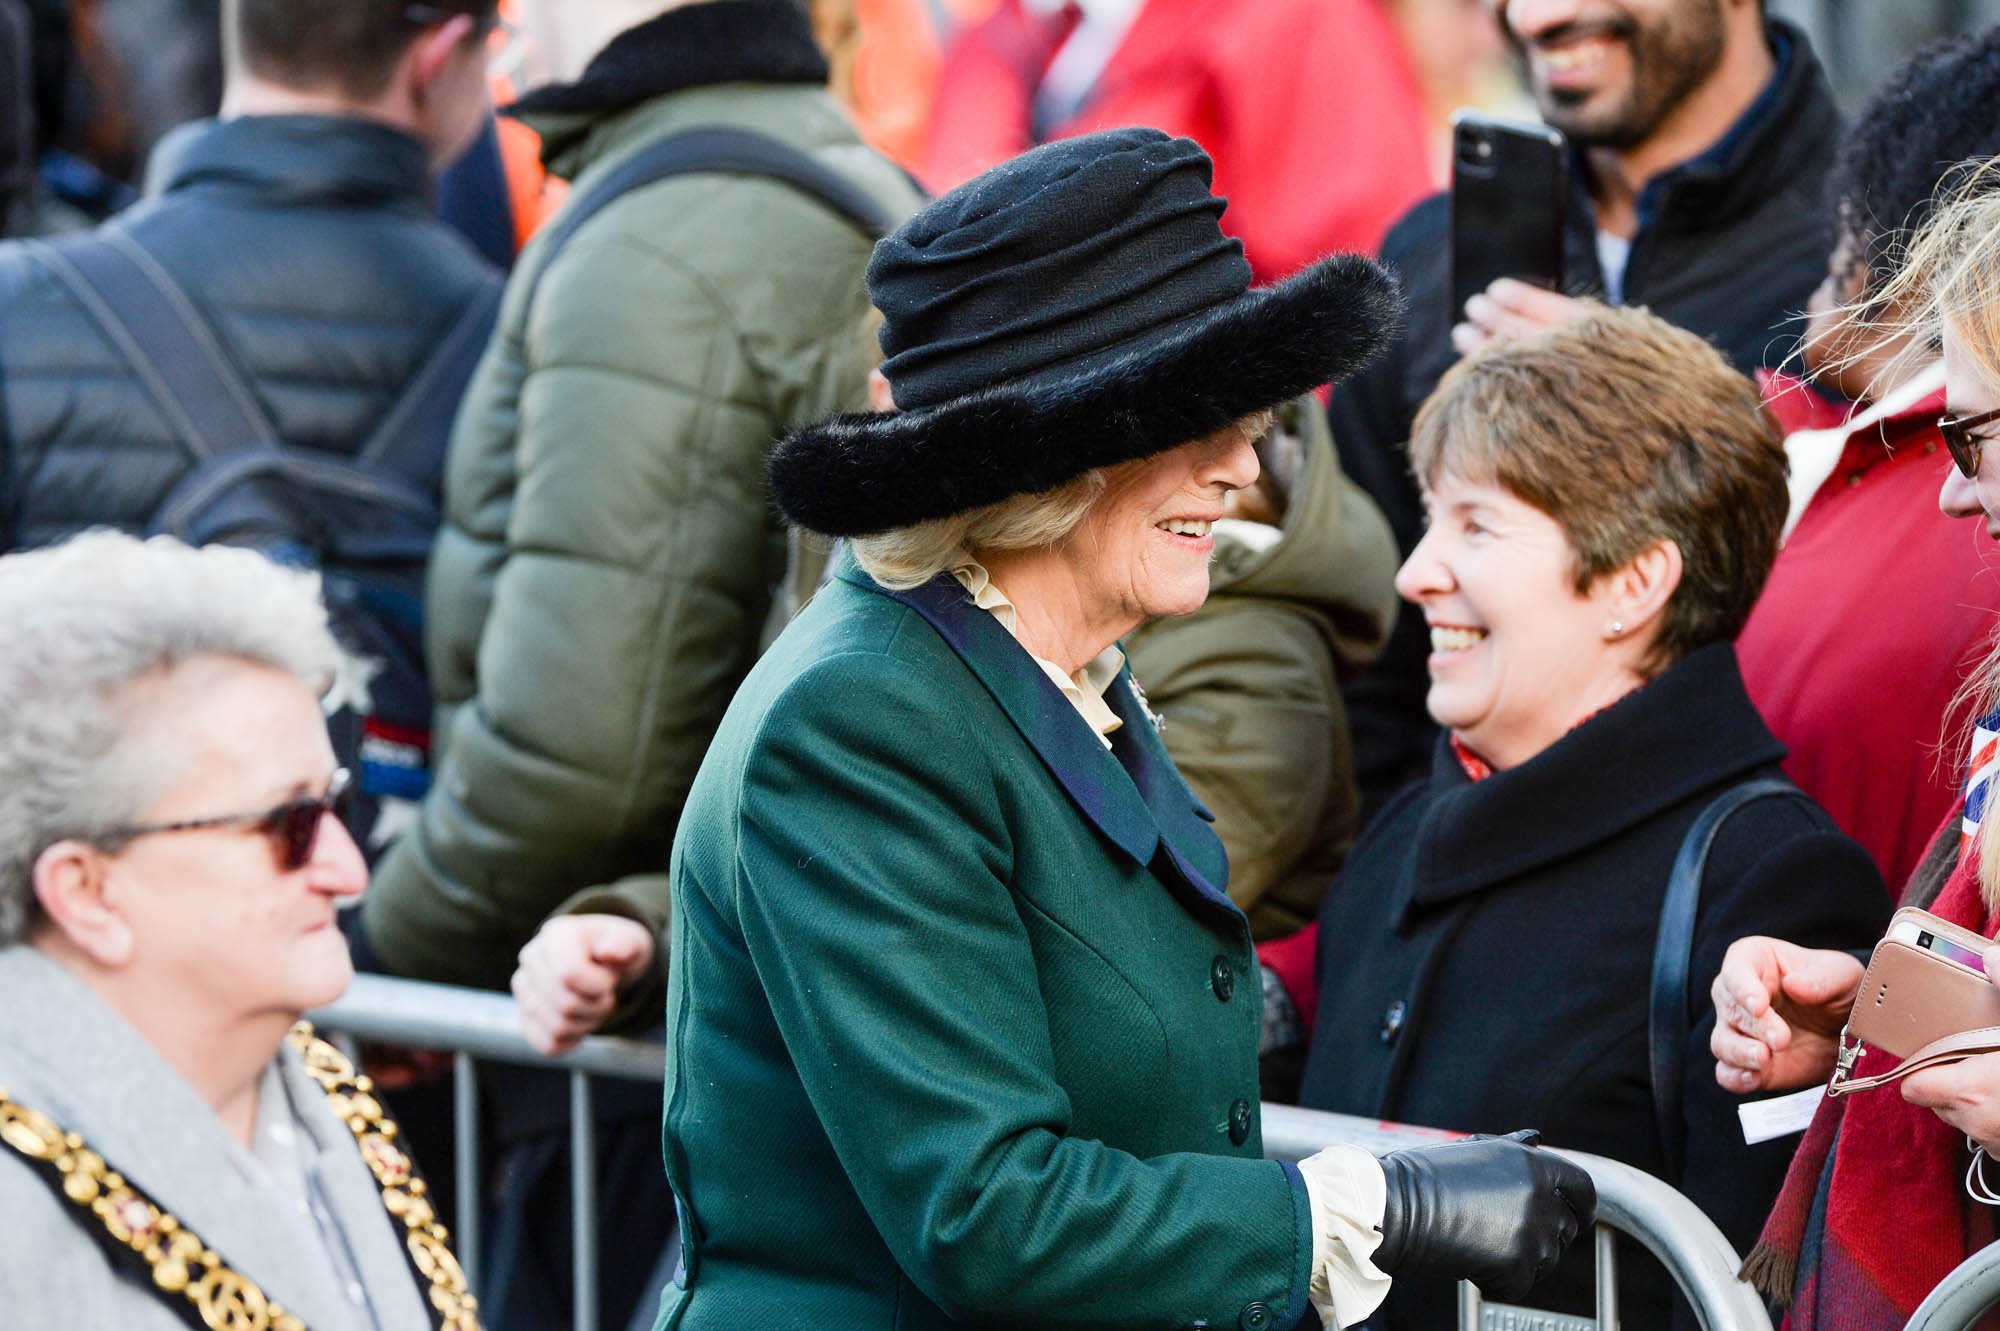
293	826
1963	443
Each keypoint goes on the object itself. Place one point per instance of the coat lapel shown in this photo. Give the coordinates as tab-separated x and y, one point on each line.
1141	803
1694	728
67	1054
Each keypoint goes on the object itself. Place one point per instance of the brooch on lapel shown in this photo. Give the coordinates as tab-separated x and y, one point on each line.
1139	696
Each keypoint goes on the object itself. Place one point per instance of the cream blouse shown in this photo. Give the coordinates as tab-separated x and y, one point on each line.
1085	689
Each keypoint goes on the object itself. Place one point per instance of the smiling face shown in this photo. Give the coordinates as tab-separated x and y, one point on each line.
214	918
1607	72
1140	551
1518	655
1967	393
1143	548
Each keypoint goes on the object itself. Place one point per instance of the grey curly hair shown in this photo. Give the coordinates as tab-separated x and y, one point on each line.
85	621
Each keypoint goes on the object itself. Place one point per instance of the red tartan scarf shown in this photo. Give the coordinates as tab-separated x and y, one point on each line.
1873	1213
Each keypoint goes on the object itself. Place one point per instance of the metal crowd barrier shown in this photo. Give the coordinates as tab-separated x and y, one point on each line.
473	1023
1630	1200
476	1024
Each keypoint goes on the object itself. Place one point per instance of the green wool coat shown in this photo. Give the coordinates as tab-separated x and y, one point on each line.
961	1027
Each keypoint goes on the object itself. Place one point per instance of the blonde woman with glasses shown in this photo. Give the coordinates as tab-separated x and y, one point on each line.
1915	1150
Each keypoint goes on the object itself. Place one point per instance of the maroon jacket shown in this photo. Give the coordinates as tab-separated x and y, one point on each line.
1877	609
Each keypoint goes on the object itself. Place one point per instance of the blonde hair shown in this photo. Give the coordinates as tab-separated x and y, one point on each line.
906	557
1949	280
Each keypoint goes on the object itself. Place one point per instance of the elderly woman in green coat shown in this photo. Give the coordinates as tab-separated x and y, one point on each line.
961	1024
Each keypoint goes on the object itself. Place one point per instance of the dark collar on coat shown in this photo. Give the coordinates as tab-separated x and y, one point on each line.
1135	795
295	162
1691	729
1787	127
722	41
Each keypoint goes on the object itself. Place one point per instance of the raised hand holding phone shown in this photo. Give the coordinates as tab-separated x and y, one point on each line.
1511	308
1509	188
1965	1094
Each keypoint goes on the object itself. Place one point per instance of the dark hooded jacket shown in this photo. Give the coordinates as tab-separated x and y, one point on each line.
1485	956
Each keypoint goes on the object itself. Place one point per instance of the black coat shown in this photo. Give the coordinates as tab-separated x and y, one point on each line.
1729	246
1485	956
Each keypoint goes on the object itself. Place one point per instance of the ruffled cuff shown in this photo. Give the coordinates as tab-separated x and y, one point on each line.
1346	1191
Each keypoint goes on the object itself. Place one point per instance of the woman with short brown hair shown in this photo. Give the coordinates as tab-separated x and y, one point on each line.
1604	502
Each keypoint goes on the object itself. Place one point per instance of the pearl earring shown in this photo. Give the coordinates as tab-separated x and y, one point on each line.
1613	629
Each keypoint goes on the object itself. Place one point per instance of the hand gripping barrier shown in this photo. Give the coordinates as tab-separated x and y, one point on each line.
476	1024
1670	1226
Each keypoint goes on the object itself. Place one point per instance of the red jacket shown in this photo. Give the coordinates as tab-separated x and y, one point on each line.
1308	107
1877	609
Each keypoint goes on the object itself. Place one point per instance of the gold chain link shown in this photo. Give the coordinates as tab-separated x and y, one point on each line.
182	1264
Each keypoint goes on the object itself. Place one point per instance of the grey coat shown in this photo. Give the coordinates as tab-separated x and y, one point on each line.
65	1053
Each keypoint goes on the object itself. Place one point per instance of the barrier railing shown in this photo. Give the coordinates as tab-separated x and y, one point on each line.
475	1024
472	1023
1630	1200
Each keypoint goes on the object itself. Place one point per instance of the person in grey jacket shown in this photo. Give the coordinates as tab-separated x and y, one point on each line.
170	866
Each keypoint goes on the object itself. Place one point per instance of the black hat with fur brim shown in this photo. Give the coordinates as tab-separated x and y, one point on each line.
1076	307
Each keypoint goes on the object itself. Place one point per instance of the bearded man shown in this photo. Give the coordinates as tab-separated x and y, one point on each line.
1700	135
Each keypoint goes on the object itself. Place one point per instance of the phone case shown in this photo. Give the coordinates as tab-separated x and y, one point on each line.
1509	187
1910	996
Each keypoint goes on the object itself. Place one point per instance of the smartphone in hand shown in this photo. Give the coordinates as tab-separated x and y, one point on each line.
1509	187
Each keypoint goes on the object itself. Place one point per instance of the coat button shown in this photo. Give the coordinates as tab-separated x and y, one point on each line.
1256	1317
1392	1021
1222	978
1239	1122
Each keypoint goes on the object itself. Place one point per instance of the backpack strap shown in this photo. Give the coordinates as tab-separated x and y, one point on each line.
1667	1007
430	400
172	349
723	149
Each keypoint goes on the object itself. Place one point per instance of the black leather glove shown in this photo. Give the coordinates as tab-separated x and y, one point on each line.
1493	1210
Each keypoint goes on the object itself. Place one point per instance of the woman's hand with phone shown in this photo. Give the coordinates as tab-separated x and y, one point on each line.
1965	1094
1779	1009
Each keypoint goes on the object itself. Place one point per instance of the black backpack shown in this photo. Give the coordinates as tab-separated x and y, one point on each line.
365	521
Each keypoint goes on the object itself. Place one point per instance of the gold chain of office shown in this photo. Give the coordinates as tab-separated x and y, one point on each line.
181	1264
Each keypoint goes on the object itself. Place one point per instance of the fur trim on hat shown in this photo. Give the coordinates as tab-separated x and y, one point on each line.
862	473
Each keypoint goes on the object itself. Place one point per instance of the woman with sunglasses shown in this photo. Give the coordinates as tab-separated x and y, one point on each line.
1918	1152
175	1150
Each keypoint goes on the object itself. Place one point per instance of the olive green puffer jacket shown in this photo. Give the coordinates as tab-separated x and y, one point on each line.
609	553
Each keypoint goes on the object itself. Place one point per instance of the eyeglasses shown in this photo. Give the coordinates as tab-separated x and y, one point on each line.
293	826
1963	443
